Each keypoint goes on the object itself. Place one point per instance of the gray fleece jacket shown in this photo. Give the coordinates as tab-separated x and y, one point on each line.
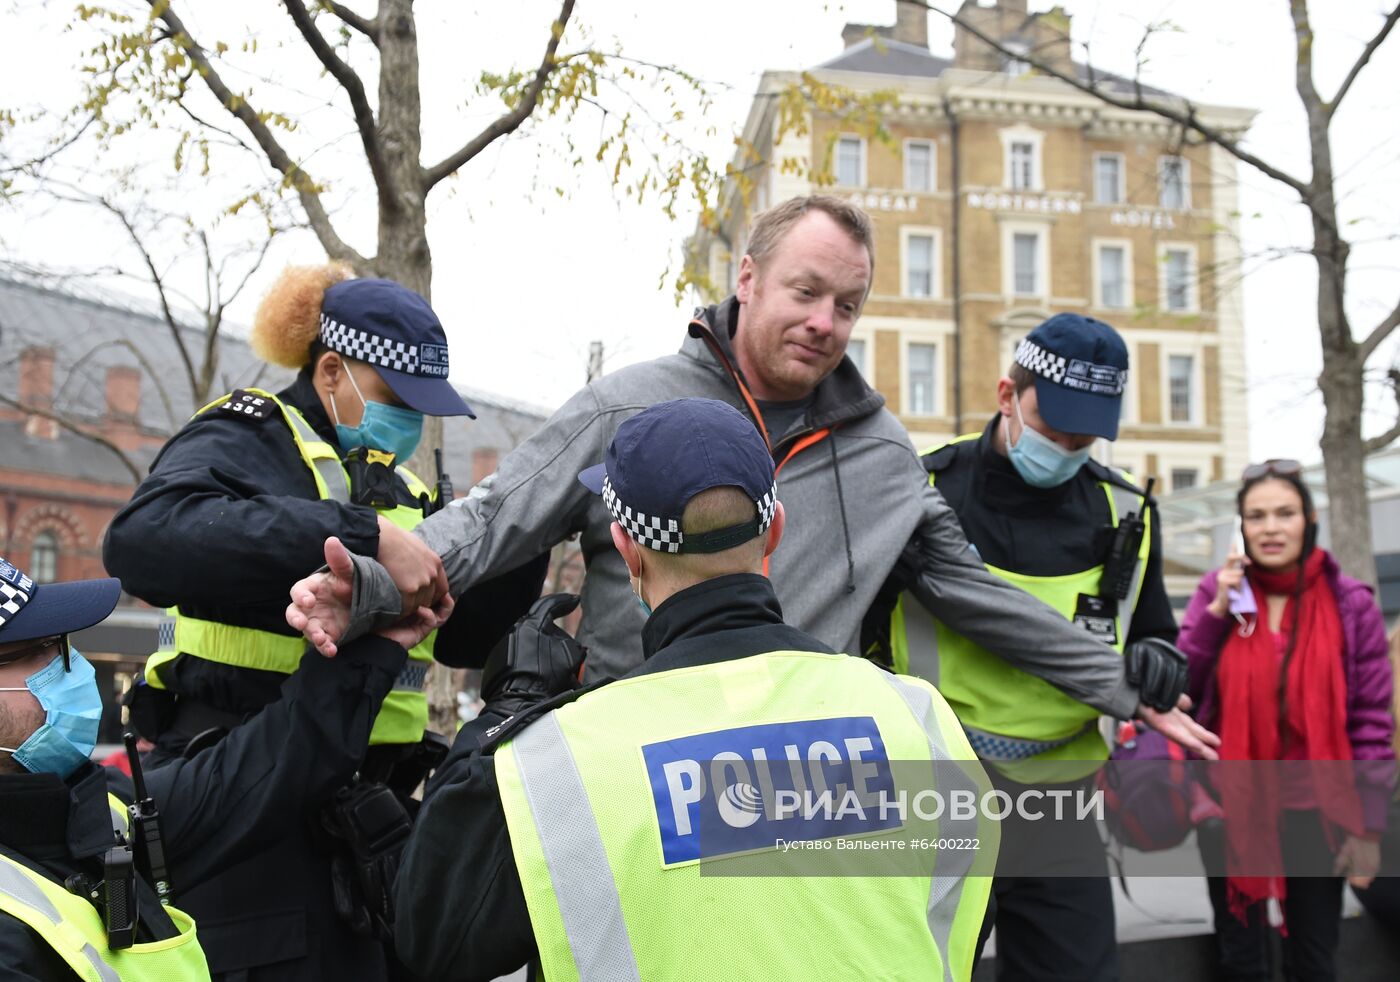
854	499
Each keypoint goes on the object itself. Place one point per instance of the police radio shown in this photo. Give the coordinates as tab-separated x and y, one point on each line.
1118	569
145	820
445	493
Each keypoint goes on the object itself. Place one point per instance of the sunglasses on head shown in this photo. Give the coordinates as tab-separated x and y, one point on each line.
1272	468
58	641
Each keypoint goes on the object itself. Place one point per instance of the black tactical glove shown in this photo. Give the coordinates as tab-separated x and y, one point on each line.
535	661
1157	669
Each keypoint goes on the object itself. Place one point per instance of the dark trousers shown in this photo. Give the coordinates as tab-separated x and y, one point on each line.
1050	928
1312	910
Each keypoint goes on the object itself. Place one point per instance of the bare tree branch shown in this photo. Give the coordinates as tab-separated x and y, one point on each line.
369	28
1379	333
1391	435
298	179
359	102
78	430
1361	61
511	121
1186	118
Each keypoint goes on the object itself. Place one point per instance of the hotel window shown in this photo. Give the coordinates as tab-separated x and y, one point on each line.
1025	269
918	165
1108	178
918	266
1184	478
1177	275
855	350
850	161
43	558
921	359
1113	276
1021	161
1181	381
1171	182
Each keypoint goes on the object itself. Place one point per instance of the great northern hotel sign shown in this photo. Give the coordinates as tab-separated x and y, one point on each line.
1043	204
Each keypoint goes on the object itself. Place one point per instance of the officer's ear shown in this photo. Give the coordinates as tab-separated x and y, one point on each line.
629	550
775	531
328	370
1006	395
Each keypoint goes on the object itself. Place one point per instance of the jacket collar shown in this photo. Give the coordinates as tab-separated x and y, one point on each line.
841	397
302	394
45	818
725	603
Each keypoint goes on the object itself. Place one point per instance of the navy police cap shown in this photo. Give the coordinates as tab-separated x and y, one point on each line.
392	328
30	610
666	455
1080	367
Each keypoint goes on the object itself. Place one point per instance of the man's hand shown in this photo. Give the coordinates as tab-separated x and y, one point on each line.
419	624
536	661
416	569
1359	860
320	607
1179	728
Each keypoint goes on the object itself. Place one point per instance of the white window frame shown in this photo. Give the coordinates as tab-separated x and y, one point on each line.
1129	414
1193	279
936	280
1122	190
836	160
939	343
1197	386
1008	252
1096	259
1023	134
1185	181
1018	61
1171	476
932	166
868	339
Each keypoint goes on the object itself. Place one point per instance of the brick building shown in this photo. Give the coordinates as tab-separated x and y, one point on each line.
1002	196
89	358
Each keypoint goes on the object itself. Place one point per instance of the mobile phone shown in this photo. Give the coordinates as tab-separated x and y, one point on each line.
1241	600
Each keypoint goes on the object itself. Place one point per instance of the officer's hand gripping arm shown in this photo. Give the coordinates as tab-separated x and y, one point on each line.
536	661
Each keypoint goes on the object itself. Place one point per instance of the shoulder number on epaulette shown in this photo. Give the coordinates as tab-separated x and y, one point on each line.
248	405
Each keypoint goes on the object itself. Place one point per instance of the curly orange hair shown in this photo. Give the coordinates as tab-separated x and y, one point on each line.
289	317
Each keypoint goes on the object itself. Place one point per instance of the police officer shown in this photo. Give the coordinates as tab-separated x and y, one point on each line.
1083	538
236	508
86	882
569	832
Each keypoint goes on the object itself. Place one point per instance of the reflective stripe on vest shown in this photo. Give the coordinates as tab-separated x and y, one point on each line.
404	714
72	926
605	905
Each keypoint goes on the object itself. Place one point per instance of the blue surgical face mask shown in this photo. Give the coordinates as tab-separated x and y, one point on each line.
73	708
393	429
1041	462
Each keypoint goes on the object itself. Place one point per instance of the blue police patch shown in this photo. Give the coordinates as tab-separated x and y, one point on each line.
432	360
751	787
11	575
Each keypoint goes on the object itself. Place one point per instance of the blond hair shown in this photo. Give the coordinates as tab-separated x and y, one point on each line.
772	225
289	317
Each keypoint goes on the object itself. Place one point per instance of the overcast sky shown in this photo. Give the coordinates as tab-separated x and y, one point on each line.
524	280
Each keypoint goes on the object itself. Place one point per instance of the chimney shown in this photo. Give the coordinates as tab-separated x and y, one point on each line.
36	389
123	393
1014	7
911	22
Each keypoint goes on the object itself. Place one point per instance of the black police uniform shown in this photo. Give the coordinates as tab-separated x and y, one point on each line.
227	521
217	809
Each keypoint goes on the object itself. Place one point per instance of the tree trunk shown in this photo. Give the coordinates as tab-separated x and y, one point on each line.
404	256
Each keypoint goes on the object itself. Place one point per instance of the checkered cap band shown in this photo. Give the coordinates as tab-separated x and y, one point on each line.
400	356
1032	356
664	534
15	591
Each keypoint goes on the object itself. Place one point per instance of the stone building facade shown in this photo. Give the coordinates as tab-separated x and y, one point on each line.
1002	196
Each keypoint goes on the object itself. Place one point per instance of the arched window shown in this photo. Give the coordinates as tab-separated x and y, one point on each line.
43	558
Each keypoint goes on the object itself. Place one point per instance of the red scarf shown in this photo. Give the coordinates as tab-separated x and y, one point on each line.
1250	728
